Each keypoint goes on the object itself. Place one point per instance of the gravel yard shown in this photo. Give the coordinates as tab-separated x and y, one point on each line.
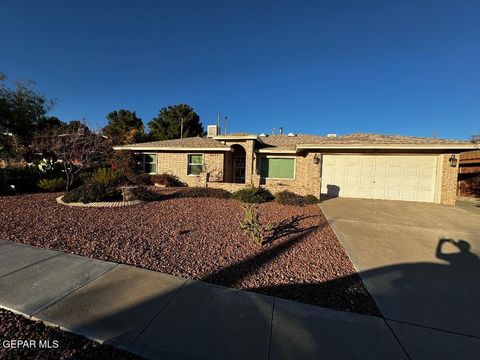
70	346
200	238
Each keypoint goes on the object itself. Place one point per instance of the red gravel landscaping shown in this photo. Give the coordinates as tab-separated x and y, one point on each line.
68	346
200	238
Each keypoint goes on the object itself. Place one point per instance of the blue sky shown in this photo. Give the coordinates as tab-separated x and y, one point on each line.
398	67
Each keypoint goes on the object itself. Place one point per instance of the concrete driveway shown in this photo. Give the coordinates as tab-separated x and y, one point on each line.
420	263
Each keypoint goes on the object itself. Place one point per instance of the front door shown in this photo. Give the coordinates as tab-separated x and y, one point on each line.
239	169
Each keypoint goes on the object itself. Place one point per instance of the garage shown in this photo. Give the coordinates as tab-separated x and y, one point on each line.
389	177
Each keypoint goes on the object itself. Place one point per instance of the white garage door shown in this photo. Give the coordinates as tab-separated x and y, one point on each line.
391	177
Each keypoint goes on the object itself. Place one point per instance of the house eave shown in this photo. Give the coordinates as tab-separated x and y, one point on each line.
236	137
276	151
386	146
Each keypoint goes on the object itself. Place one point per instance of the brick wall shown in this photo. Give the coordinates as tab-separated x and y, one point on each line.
306	181
175	163
307	173
448	187
469	185
232	187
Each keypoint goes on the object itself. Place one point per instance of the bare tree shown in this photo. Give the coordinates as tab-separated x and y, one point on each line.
75	150
9	147
476	140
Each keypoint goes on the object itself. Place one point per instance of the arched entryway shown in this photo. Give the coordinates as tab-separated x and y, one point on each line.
238	164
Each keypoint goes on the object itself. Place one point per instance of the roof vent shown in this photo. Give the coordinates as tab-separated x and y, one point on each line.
263	134
291	134
331	135
212	130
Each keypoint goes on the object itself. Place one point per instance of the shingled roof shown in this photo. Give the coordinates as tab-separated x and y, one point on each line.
292	143
185	143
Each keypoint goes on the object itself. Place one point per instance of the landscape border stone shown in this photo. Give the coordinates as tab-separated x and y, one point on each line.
101	204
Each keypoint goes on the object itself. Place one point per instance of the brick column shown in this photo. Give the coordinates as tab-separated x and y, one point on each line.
448	189
248	145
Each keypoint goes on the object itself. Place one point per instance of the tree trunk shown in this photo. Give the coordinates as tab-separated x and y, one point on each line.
67	174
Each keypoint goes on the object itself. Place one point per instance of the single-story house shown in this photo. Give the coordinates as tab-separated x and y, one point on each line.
357	165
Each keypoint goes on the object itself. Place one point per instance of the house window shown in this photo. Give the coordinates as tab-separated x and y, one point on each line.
150	163
277	168
147	163
195	164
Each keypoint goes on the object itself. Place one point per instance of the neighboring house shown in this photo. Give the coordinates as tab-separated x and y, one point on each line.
469	175
356	165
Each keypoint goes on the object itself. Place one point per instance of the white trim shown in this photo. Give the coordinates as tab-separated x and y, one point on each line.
236	137
126	147
276	151
387	146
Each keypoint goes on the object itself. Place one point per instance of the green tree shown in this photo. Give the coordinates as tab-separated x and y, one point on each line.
124	127
21	109
50	123
75	126
167	125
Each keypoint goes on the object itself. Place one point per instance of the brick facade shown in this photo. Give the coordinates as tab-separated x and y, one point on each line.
218	168
469	175
176	163
469	186
449	177
306	181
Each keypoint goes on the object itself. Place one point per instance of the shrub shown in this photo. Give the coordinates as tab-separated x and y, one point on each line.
251	225
201	192
50	169
253	195
52	185
24	179
311	199
92	192
289	198
142	179
167	180
105	177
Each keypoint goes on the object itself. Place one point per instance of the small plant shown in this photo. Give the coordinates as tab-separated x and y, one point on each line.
105	177
251	224
253	195
52	185
167	180
289	198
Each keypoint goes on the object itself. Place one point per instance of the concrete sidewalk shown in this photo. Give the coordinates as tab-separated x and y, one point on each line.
161	316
